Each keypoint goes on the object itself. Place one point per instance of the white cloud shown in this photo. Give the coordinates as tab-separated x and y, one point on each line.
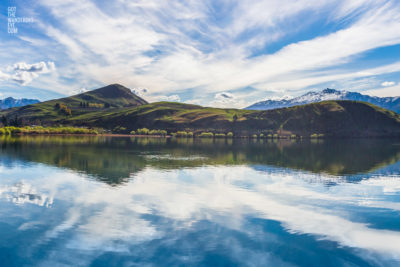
224	99
40	67
172	98
24	77
388	84
224	96
389	91
24	73
140	91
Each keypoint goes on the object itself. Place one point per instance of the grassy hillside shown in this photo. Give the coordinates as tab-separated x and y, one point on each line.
126	110
110	97
331	118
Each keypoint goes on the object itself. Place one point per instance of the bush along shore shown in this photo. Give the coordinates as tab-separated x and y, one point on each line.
12	130
40	130
209	134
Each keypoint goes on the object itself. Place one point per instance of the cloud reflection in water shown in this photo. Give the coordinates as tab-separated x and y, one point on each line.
161	207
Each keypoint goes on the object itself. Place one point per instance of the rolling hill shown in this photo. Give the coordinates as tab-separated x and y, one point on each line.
106	98
331	118
391	103
335	118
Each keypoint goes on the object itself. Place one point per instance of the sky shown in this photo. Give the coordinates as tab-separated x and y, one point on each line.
219	53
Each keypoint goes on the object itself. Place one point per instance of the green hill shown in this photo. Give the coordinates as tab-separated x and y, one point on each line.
124	109
110	97
331	118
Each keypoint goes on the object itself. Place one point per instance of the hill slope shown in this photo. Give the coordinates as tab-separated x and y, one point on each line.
391	103
331	118
106	98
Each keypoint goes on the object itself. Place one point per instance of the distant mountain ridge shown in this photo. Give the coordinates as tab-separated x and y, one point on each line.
390	103
11	102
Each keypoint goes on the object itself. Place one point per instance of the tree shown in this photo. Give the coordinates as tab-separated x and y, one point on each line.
17	122
4	120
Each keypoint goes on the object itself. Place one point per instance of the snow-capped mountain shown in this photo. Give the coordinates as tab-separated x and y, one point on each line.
10	102
391	103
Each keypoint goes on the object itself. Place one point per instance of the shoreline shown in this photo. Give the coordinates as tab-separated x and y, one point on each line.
83	134
206	138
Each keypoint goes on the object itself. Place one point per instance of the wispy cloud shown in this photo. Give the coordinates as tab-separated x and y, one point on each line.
214	46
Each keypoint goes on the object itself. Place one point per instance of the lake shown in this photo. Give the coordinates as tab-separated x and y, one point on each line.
120	201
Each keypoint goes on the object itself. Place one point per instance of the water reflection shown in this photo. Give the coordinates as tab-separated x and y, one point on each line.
199	204
115	160
22	193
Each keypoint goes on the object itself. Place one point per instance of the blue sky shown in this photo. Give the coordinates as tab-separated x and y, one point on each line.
215	53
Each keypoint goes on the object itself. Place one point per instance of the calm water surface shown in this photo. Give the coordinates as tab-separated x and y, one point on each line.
97	201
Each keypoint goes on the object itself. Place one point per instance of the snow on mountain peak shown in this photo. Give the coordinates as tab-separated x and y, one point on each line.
391	103
326	94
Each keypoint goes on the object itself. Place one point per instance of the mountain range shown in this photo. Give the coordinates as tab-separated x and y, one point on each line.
11	102
116	108
390	103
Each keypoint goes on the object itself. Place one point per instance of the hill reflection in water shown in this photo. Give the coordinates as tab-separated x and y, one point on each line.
114	160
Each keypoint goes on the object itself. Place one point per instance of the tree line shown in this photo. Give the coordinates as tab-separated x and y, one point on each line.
93	105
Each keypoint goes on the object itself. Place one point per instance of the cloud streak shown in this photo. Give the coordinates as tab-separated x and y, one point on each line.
212	47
